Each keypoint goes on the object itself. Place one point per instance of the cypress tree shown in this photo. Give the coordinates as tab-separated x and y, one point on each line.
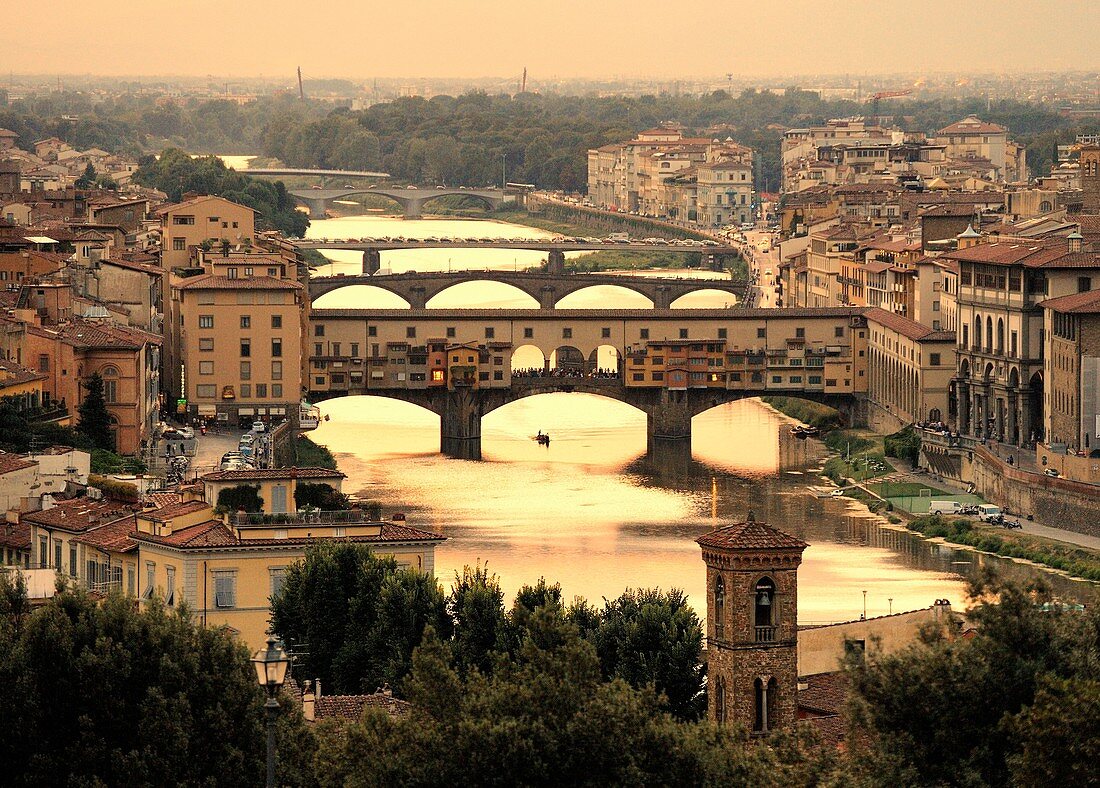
95	421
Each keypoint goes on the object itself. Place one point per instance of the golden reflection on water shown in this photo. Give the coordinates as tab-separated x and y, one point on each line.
591	512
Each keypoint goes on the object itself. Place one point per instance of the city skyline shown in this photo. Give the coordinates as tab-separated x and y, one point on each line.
570	40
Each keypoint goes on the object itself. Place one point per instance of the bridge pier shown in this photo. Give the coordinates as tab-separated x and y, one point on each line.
548	297
414	208
372	261
460	424
317	208
669	418
418	297
662	298
555	262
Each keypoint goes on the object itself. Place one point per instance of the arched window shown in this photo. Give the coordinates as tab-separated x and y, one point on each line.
765	705
1000	335
720	699
719	606
764	610
988	334
977	332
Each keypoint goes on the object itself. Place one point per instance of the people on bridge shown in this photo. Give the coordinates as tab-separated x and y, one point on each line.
565	372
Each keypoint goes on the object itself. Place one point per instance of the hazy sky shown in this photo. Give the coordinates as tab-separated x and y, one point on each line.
563	38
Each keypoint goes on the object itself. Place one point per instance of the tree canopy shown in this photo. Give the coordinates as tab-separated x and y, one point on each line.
100	693
94	420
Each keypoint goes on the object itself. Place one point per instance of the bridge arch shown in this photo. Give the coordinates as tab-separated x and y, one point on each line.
705	298
487	203
568	358
361	296
466	294
585	295
528	357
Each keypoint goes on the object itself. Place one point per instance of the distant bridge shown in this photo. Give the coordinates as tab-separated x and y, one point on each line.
546	288
555	249
319	173
411	199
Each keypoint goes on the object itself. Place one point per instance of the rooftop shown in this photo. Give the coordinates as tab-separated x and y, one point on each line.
1087	303
79	514
750	535
906	327
216	282
261	474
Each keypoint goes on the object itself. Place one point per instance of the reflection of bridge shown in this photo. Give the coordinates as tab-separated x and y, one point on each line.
673	363
546	288
410	199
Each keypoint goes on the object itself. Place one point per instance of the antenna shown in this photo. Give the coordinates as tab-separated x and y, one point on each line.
301	90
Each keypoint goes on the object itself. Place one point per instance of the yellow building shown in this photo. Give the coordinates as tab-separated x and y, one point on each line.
226	570
20	386
910	367
276	486
186	226
240	340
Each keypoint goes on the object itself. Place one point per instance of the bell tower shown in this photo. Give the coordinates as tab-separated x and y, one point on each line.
752	625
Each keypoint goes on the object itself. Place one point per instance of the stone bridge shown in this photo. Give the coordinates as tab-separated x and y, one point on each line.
723	355
546	288
411	200
668	412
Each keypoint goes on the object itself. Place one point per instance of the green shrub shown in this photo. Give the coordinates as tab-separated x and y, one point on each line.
847	442
893	519
813	413
113	488
904	444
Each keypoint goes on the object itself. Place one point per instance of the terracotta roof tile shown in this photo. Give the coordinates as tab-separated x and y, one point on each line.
175	509
272	473
212	282
79	514
1086	303
15	535
113	537
212	533
13	462
350	707
750	536
904	326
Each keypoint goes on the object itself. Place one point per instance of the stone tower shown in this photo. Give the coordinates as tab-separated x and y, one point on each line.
1089	162
752	616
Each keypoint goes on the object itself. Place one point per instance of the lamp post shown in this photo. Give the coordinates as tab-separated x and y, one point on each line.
271	664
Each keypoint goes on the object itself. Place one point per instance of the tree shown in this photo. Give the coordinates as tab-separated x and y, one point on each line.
88	179
476	606
319	496
544	717
651	637
244	497
976	711
361	615
95	420
104	693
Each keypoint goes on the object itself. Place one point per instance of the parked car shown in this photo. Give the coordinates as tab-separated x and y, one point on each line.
988	513
187	433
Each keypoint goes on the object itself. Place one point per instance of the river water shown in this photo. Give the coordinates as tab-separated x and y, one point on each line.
592	511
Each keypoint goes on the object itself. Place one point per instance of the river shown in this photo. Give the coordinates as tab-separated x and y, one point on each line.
591	511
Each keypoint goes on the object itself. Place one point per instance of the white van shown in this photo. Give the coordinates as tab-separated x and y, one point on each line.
944	507
988	512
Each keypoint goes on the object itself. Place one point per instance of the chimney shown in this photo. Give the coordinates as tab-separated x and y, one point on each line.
309	701
317	687
1075	238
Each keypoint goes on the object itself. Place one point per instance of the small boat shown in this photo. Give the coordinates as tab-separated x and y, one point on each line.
542	439
811	432
798	432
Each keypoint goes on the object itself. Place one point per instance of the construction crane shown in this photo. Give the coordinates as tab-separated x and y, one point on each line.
875	98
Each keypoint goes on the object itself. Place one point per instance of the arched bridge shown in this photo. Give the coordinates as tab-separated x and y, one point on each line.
410	199
546	288
672	364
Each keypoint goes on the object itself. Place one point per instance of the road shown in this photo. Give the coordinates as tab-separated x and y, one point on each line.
763	268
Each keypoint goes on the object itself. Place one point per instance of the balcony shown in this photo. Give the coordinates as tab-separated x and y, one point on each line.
765	634
266	520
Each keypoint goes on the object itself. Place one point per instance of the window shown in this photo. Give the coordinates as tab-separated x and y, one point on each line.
336	348
567	333
110	390
276	390
206	321
800	333
489	332
722	333
246	370
179	245
57	554
150	579
644	333
934	359
225	589
838	331
320	381
276	370
246	390
43	362
276	321
206	367
764	610
131	581
410	332
231	273
206	344
1084	284
354	349
761	333
605	333
719	606
246	348
372	331
246	321
261	388
528	333
683	333
72	559
278	578
206	391
170	586
319	330
777	378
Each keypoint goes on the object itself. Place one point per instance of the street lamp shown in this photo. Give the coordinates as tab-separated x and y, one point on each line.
271	664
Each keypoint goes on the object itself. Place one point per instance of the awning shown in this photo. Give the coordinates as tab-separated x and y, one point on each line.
245	411
208	410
